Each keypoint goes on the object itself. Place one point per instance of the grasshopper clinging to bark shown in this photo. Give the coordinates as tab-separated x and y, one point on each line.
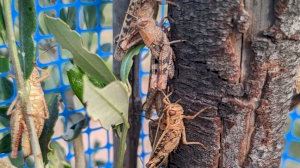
162	60
173	130
148	8
139	8
38	110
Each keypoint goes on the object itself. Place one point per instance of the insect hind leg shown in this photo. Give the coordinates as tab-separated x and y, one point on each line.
185	142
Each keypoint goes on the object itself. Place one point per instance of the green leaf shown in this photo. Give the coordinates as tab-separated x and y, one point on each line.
75	76
5	143
109	105
56	157
2	25
5	138
127	64
42	25
88	62
4	63
4	122
3	111
52	102
6	88
27	29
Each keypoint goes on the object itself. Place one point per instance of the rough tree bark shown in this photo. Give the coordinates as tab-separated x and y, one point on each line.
247	74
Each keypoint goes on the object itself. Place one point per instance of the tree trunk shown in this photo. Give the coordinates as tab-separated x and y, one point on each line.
246	74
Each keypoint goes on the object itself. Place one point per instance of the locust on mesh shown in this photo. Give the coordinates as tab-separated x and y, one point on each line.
38	111
169	132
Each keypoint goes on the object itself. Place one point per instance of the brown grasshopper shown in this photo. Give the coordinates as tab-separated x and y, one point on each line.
173	130
38	110
162	60
150	9
139	8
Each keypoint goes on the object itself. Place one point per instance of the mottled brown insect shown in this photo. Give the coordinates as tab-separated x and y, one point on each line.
38	110
162	60
173	130
146	8
138	8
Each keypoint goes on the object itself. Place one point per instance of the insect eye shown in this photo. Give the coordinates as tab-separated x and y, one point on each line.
172	112
143	24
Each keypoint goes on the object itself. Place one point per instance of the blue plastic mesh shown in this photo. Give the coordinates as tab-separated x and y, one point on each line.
95	149
291	153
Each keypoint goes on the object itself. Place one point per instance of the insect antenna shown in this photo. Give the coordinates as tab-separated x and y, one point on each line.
166	100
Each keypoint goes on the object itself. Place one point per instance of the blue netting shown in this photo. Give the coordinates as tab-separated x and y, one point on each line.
100	150
291	153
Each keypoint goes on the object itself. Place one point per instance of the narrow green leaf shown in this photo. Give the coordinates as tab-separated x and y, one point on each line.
4	122
2	25
48	130
4	63
27	29
6	89
75	77
108	105
5	138
5	146
90	63
3	111
128	61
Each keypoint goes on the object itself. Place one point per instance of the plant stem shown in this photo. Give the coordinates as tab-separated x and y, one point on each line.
79	152
122	145
80	161
22	92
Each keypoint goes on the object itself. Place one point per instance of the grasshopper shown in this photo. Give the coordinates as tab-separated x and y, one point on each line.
162	59
38	110
173	130
147	8
139	8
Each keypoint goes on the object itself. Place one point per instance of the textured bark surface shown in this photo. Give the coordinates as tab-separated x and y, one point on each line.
248	75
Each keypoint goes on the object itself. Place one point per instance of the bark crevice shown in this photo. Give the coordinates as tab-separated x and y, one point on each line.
248	78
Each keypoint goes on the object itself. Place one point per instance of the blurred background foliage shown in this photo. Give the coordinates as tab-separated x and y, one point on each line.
47	53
